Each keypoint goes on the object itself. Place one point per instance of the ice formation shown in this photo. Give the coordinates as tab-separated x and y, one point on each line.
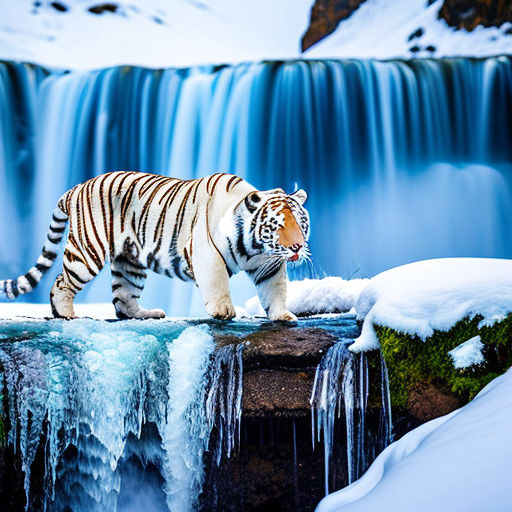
97	385
342	385
459	462
434	294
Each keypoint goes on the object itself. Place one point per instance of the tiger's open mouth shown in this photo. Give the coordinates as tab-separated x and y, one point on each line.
295	257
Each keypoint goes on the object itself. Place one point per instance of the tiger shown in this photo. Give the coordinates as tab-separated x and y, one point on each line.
202	230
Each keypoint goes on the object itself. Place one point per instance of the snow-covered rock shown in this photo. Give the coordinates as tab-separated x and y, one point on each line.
183	33
385	29
457	463
468	353
314	296
434	294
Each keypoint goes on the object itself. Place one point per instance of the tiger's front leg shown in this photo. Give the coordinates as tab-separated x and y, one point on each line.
212	280
128	279
272	295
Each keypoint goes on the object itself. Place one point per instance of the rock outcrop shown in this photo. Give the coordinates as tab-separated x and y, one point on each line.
468	14
325	17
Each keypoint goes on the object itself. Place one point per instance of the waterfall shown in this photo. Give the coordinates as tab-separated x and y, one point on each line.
412	158
99	402
342	387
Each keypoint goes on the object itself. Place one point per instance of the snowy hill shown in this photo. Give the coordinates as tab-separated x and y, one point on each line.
83	34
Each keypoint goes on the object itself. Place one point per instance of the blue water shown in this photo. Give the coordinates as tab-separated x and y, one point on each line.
402	160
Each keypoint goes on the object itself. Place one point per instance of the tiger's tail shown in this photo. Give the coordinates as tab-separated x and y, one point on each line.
12	288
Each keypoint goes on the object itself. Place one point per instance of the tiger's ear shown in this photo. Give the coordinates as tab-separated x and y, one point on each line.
300	196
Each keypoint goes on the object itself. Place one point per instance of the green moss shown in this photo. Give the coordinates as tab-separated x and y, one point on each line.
411	361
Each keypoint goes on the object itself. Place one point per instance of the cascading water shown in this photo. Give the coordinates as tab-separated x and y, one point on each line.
411	158
97	400
342	386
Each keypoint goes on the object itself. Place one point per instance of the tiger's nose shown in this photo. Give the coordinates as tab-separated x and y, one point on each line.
296	247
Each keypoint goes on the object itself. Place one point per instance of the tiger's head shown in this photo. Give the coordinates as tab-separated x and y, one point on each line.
277	224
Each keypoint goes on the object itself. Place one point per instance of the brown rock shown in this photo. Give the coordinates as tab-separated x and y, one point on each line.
325	17
467	14
270	393
426	402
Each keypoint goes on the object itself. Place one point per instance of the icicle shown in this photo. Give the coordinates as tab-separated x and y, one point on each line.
342	385
224	399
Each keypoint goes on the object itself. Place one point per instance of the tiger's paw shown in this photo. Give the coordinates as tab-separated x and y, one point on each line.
282	316
154	313
222	311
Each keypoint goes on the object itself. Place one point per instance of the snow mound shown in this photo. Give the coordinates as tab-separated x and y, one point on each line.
429	295
384	29
458	463
468	353
314	296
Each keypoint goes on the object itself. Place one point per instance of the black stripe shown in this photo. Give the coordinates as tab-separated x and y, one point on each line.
115	273
240	240
42	268
49	255
31	280
54	240
116	286
59	221
138	275
58	230
14	288
75	276
123	259
272	272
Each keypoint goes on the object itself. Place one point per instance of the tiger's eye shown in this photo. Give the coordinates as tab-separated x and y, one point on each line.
255	198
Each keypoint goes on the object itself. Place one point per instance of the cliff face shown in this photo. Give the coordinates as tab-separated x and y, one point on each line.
325	17
467	14
461	14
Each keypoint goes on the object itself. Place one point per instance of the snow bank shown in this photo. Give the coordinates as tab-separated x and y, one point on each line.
434	294
456	463
179	33
468	353
314	296
152	33
381	29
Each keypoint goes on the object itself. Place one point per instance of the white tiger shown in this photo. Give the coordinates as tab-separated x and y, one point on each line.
203	230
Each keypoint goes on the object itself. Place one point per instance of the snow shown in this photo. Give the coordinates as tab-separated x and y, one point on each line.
380	29
12	310
152	33
314	296
458	463
434	294
468	353
182	33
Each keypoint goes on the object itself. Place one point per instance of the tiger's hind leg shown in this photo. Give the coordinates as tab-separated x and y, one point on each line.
128	277
76	273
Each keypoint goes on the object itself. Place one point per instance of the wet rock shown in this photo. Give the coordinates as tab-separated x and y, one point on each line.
277	393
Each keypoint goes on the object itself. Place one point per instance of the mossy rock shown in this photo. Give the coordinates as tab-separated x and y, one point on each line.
414	364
